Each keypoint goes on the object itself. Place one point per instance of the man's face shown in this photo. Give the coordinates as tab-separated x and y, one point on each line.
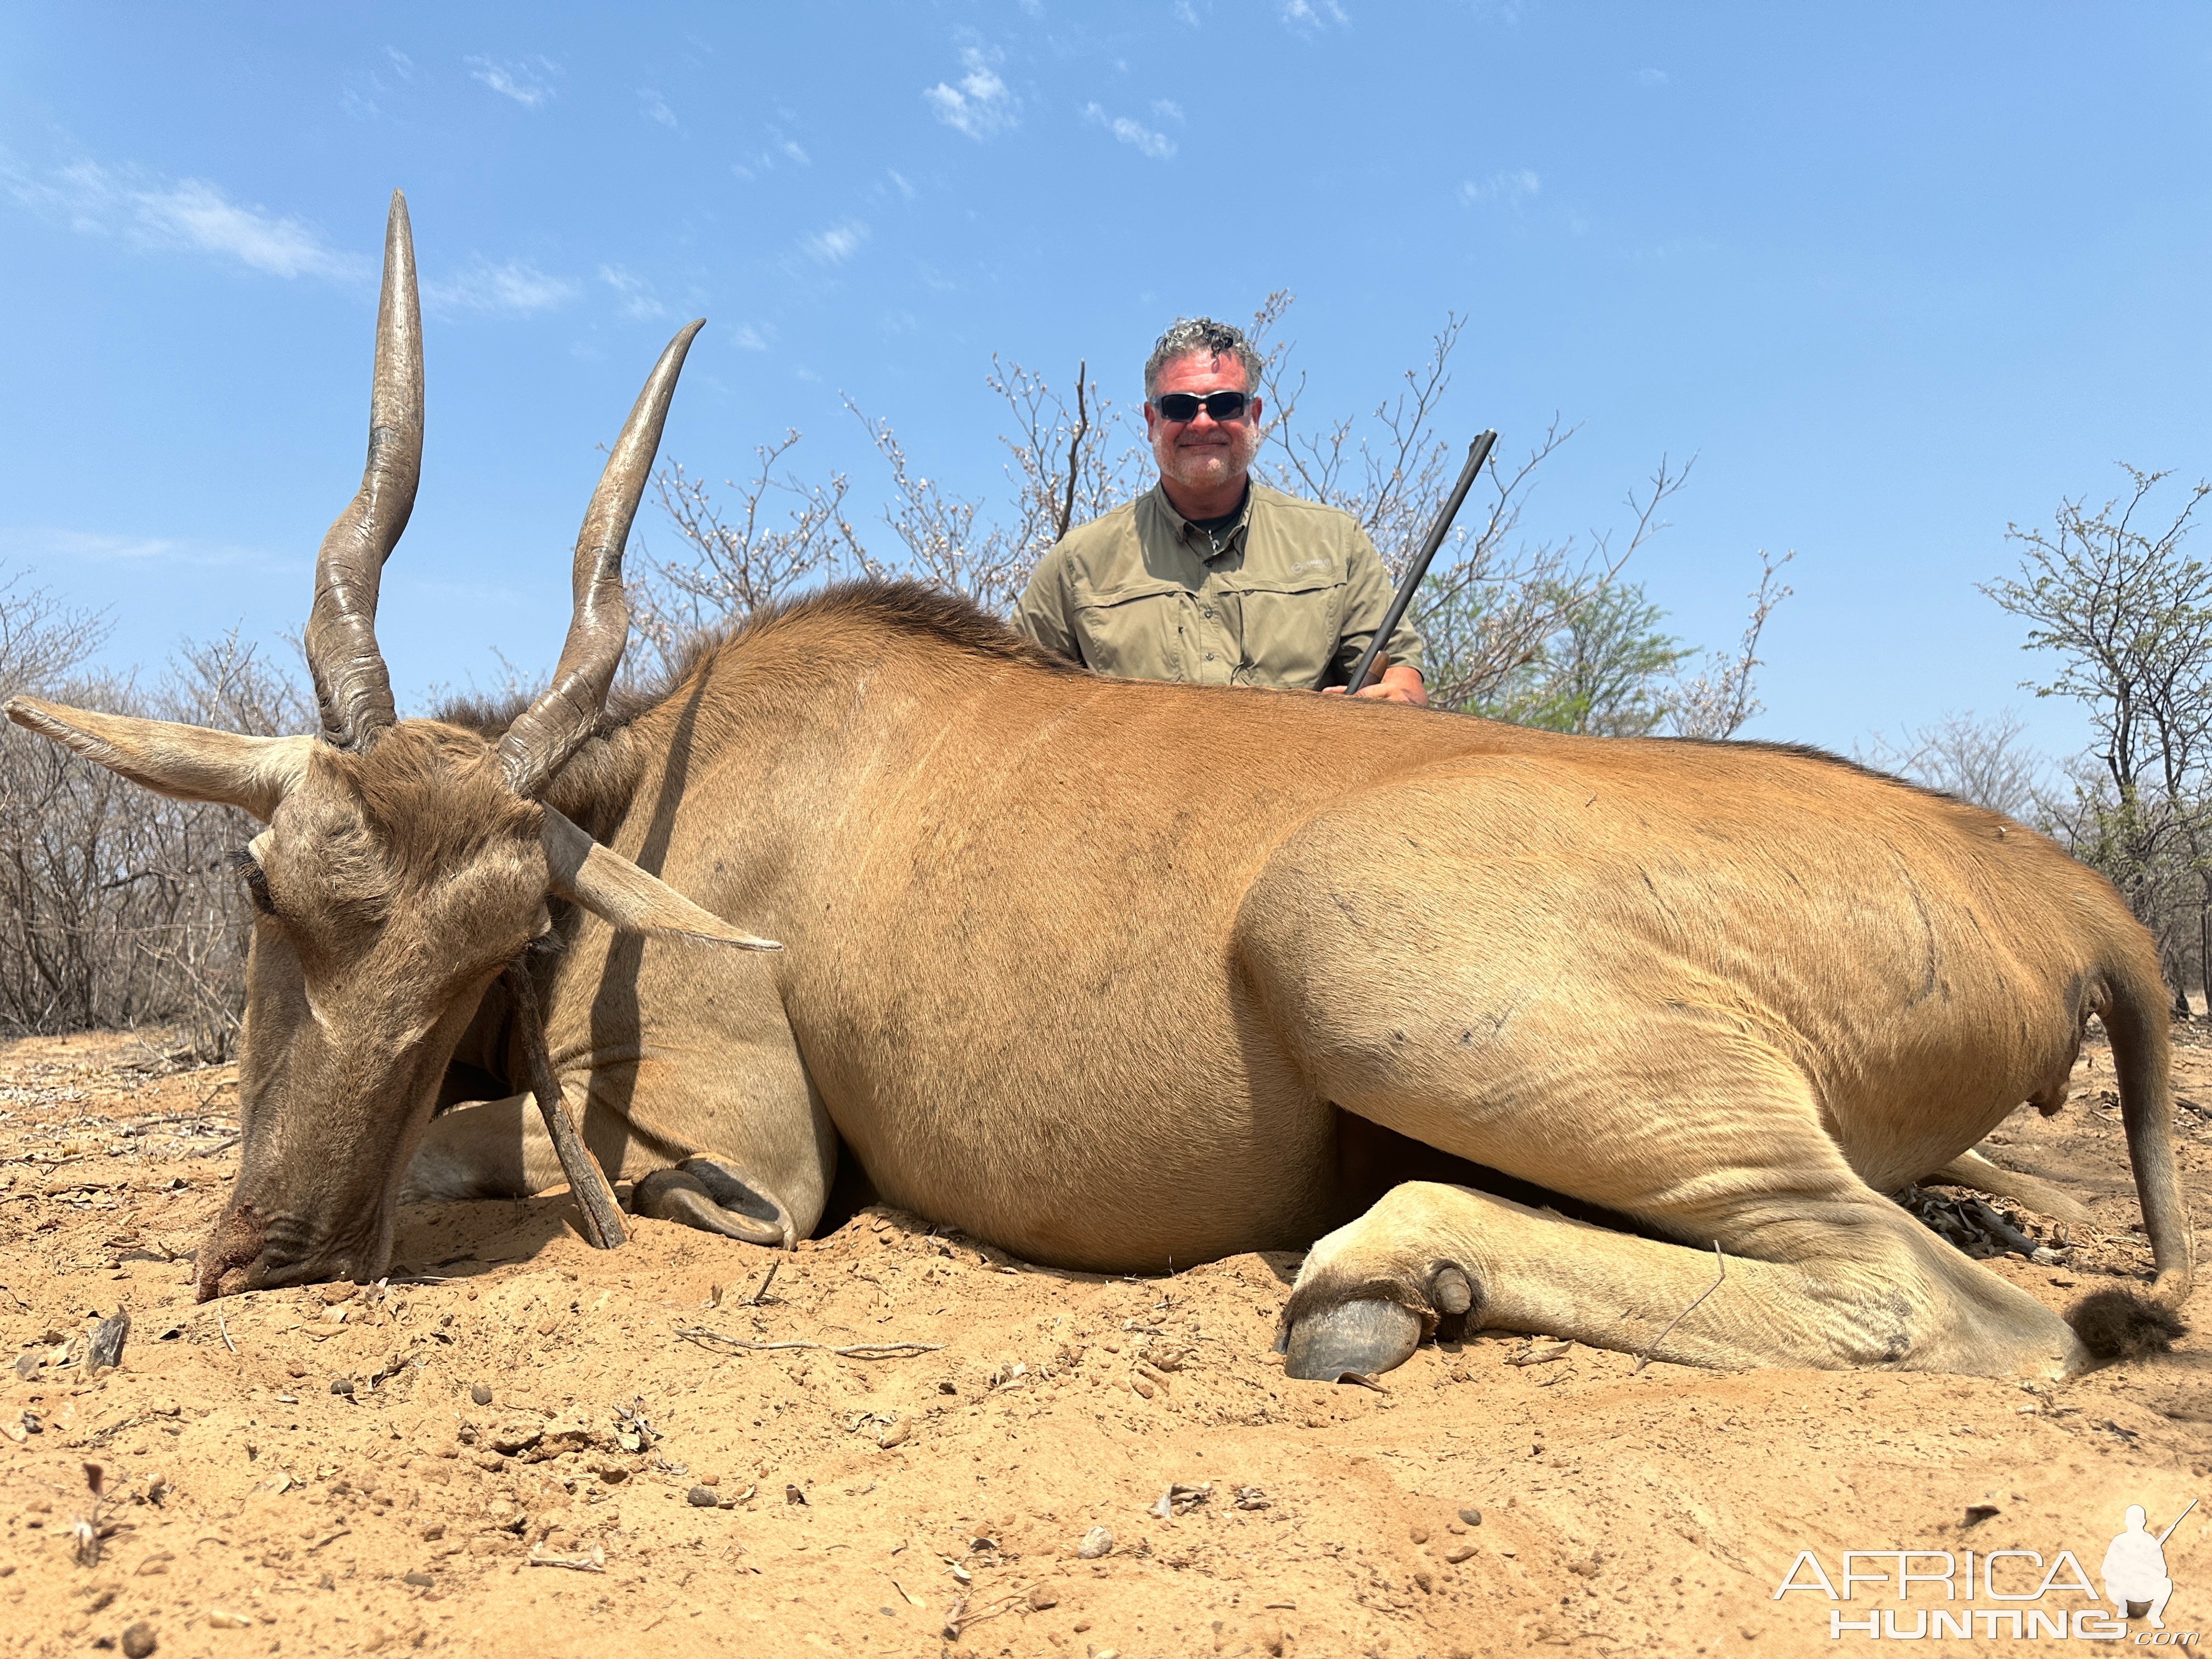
1203	453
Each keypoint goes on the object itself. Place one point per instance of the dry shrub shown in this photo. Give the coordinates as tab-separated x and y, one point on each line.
117	908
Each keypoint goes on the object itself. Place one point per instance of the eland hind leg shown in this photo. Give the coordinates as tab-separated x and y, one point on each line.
1821	1270
1588	1060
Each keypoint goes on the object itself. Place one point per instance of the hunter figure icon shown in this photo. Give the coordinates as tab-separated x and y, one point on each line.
2135	1567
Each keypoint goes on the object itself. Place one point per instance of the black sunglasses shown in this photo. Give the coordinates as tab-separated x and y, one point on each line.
1184	405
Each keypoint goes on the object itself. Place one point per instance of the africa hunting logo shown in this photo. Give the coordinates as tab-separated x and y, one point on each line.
2027	1595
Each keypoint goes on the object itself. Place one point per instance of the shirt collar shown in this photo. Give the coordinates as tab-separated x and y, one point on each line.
1213	542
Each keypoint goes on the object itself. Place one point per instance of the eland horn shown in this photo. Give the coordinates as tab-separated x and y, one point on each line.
554	727
352	684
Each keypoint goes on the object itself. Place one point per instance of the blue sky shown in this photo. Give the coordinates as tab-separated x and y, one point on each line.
1895	275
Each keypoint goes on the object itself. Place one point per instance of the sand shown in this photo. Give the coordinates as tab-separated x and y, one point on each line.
512	1445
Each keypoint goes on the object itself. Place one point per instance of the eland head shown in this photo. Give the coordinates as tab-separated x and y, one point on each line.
404	864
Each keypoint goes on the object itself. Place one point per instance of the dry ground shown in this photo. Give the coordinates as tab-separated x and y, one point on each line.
405	1467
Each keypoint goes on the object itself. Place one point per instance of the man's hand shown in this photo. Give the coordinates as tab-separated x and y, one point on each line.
1399	683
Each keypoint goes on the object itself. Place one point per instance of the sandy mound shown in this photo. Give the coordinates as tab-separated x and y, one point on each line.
518	1440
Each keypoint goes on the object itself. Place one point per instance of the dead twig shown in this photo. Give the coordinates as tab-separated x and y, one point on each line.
1721	1262
594	1561
959	1619
767	1279
707	1339
224	1328
84	1532
2011	1237
1075	450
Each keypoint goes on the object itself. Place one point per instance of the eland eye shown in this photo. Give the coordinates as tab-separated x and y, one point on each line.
256	883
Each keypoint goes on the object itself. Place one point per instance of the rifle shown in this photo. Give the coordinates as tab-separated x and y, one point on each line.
1477	453
2178	1520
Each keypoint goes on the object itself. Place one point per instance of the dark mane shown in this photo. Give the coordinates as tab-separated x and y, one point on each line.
1808	751
905	607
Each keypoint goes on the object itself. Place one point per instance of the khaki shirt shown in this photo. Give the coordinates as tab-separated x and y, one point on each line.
1287	596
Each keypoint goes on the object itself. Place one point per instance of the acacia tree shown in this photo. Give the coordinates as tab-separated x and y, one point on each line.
2129	615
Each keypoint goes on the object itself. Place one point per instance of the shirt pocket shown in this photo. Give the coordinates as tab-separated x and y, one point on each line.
1291	625
1133	629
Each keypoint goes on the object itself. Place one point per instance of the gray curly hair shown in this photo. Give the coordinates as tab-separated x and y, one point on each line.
1189	335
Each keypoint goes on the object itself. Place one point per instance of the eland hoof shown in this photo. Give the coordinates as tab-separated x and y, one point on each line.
1353	1338
712	1197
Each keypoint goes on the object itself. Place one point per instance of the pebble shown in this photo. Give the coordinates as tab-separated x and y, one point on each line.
1042	1597
27	1365
138	1641
1459	1552
1096	1542
342	1385
701	1497
481	1393
421	1580
1417	1533
1472	1518
106	1345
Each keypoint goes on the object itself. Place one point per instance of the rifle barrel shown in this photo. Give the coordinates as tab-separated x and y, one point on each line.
2178	1520
1477	453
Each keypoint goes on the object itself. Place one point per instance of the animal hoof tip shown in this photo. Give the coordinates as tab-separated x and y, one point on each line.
1362	1338
1449	1292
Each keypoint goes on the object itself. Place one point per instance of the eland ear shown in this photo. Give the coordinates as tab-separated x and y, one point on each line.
625	897
189	762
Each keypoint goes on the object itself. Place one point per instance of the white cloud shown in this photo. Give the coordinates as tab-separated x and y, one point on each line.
516	287
45	542
655	106
764	160
1652	77
401	62
1167	109
150	212
837	244
524	81
638	302
899	178
1511	188
746	338
1306	17
1186	13
1142	139
982	105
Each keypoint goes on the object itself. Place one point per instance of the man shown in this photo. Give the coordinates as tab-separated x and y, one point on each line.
2135	1569
1210	578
